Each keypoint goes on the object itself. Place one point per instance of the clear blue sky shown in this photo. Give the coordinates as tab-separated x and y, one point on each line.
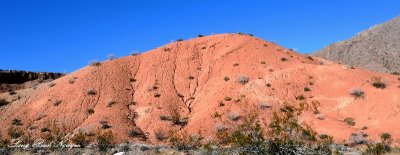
63	35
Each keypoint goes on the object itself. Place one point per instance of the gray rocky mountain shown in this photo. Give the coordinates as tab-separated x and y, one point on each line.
376	49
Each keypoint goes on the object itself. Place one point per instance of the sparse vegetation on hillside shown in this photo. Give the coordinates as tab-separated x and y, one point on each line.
226	78
16	122
94	63
160	135
357	93
51	84
306	89
349	121
179	40
283	59
111	57
263	105
110	102
105	140
234	116
3	102
90	111
379	84
242	80
227	98
90	91
56	102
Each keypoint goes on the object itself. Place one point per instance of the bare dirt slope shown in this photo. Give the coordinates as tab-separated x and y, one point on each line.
197	79
376	49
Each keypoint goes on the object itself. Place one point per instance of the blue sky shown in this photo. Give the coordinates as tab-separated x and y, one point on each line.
63	35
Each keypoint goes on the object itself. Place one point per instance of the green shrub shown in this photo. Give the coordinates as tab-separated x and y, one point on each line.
306	89
135	132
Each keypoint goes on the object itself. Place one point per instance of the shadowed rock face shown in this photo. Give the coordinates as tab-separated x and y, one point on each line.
376	49
16	79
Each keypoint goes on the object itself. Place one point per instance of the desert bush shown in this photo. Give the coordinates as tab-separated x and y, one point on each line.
160	135
90	91
12	92
15	132
221	103
175	116
349	121
3	102
51	84
105	126
134	53
263	105
300	97
110	102
376	149
16	122
80	139
216	114
44	129
262	62
164	118
105	141
135	132
233	116
71	81
111	57
184	141
90	111
200	35
385	137
227	98
379	84
364	128
178	40
56	102
242	80
306	89
357	139
226	78
357	93
283	59
94	63
191	77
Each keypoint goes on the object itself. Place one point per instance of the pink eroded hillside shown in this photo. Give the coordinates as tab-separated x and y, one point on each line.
199	78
